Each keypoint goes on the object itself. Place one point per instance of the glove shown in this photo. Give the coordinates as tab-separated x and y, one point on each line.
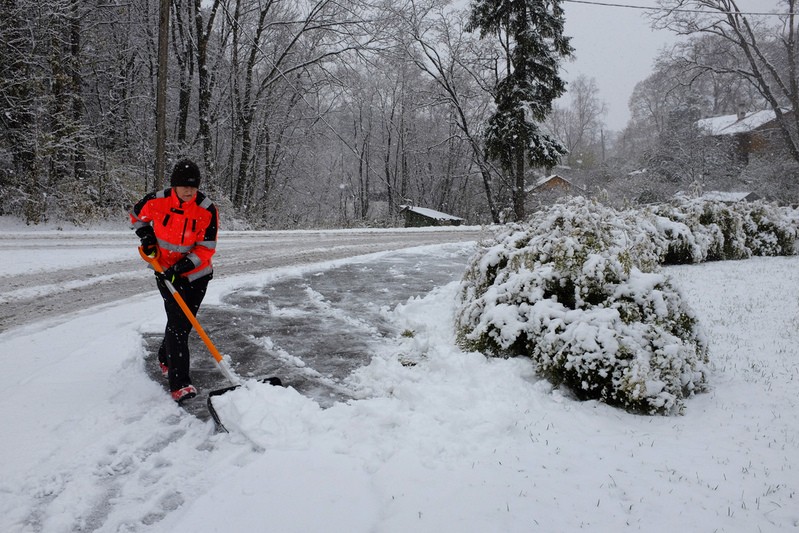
173	273
149	244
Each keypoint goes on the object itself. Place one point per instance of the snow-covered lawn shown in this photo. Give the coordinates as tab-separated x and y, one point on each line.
453	443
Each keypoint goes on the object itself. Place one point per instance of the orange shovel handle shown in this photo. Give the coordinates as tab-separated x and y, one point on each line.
153	260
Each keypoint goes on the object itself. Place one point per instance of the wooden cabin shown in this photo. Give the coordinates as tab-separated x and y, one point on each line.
416	217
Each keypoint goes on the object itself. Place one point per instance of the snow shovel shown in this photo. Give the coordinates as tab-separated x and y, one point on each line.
220	362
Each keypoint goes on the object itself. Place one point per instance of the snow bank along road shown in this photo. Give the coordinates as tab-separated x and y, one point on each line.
39	277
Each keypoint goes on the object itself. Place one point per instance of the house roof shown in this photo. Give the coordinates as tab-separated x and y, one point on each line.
723	196
429	213
546	179
731	124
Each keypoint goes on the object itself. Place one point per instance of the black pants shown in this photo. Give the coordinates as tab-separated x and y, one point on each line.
174	350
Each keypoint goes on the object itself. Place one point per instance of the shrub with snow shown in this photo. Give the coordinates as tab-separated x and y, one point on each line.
708	230
576	289
769	230
682	244
727	225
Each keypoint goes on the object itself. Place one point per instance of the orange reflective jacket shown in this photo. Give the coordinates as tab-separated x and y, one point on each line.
183	229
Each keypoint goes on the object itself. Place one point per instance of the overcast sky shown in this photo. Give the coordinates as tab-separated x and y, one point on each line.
617	47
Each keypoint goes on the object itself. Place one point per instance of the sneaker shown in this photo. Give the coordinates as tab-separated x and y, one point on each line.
164	369
185	393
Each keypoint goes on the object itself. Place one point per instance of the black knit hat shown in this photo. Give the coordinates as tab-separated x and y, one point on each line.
185	174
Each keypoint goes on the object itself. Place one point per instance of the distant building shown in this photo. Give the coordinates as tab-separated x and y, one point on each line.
416	217
554	183
745	133
730	197
550	189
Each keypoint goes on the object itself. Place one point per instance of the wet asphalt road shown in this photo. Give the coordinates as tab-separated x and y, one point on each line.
56	288
312	330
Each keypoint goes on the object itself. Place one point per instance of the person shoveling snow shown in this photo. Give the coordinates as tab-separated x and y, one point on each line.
178	226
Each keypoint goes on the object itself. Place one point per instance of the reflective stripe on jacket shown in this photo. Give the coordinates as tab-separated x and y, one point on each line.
183	229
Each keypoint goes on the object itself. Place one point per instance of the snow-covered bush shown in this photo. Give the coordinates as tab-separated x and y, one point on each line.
769	231
576	290
708	230
717	229
790	215
679	245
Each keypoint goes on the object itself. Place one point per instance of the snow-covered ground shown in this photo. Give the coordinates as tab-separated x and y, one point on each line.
438	440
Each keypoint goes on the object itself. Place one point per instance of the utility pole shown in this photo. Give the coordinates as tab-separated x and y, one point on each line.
160	97
602	140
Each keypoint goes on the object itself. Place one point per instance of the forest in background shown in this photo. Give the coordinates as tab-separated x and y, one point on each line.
319	113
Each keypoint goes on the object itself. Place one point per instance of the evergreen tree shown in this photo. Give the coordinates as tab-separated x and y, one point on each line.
531	32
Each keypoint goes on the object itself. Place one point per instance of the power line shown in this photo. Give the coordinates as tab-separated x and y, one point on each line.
674	10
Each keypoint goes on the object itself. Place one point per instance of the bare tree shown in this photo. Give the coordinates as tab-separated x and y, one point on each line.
722	88
356	109
275	46
18	182
443	50
294	106
204	26
183	43
41	96
579	124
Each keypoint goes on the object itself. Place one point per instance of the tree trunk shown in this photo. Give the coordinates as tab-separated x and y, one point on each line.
518	188
363	179
182	42
266	183
387	159
203	30
160	98
403	143
242	176
485	173
79	157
